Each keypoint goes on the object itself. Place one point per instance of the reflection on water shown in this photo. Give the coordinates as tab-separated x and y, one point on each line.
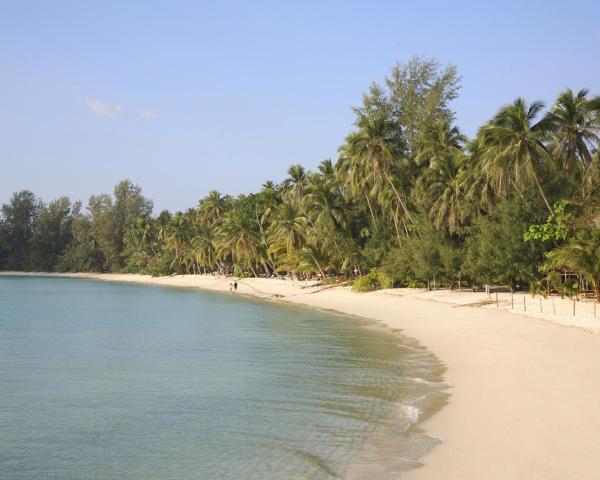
101	380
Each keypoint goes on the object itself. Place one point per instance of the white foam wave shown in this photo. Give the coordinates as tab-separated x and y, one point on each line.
422	381
410	412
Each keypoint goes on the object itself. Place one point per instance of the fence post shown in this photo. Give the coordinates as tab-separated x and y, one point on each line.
573	307
541	311
553	307
496	299
512	300
524	304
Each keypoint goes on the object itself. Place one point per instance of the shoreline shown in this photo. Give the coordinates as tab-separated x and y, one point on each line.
523	390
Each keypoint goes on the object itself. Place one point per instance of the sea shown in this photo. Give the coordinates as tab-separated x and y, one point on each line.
109	380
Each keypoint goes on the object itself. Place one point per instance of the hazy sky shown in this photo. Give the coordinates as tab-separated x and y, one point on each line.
184	97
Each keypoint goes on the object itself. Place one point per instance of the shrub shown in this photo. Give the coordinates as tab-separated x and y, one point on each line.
374	280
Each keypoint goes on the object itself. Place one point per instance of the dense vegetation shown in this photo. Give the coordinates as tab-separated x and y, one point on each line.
409	196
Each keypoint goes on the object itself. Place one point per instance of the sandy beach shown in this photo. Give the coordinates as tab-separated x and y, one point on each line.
523	378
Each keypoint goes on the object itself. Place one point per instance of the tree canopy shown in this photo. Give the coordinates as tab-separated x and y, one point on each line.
409	196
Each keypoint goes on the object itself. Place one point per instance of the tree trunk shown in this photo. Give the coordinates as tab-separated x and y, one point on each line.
253	272
396	225
318	266
370	208
537	182
399	199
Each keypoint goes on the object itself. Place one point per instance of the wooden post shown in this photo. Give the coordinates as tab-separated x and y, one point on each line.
541	305
594	308
512	300
553	307
496	299
573	307
524	304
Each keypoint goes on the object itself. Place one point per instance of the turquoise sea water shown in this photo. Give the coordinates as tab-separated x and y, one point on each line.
106	380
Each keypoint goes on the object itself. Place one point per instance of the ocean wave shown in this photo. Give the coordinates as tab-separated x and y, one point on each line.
411	413
430	383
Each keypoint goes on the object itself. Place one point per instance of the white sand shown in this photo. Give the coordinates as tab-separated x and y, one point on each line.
525	391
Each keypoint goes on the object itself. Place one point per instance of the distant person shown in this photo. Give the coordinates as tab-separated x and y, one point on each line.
235	287
231	287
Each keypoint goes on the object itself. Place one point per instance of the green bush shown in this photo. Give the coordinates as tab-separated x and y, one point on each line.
374	280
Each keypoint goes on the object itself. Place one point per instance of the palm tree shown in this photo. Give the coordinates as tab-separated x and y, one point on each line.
288	230
315	257
149	236
442	151
133	237
353	183
327	210
583	256
439	141
295	184
592	179
575	125
238	237
445	181
325	206
178	240
513	149
479	192
211	207
267	200
204	247
327	171
369	158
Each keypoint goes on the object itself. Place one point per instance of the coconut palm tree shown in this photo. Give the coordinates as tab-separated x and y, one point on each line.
445	182
237	240
575	125
327	211
238	236
440	140
211	207
353	183
288	230
369	159
327	171
133	237
442	152
591	187
315	257
204	247
267	201
325	206
582	255
513	149
178	240
295	184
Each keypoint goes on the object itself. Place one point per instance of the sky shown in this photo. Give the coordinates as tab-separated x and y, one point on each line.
186	97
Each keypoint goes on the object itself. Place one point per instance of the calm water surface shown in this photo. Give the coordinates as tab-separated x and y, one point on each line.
104	380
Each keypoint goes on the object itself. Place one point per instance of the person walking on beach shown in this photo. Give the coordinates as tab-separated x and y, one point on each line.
234	287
